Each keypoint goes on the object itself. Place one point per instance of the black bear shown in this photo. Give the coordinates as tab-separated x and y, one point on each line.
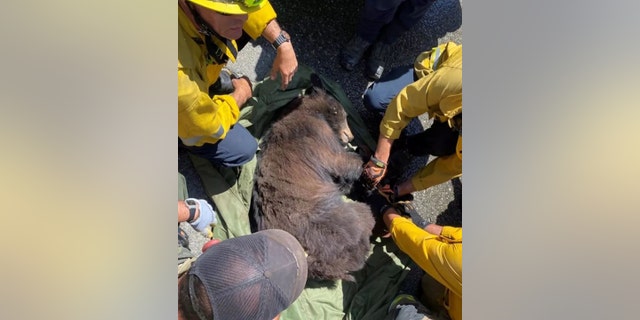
303	174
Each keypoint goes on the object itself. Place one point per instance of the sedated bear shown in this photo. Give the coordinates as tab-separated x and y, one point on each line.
303	174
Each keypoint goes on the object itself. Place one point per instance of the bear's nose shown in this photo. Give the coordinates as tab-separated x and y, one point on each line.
346	135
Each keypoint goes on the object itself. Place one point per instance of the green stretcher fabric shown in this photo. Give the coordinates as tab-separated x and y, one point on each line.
231	189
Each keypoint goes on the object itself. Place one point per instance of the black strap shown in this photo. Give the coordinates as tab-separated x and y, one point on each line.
194	299
214	53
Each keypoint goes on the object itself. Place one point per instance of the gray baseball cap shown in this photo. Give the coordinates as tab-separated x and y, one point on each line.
255	276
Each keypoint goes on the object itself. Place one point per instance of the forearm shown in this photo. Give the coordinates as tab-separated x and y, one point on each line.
383	149
272	31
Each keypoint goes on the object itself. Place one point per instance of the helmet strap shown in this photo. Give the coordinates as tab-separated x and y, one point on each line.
213	51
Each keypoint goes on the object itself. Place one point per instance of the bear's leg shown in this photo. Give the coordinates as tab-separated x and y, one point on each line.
338	238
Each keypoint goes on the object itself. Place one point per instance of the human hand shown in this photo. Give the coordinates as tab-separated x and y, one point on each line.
392	193
374	170
377	202
405	208
285	64
242	90
206	218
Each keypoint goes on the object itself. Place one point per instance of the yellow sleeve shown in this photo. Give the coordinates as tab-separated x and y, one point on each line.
408	104
202	118
441	169
258	20
439	94
439	256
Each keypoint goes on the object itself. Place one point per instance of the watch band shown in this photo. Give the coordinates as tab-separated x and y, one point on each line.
193	205
377	162
280	39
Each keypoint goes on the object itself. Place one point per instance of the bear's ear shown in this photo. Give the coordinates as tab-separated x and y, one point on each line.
316	85
316	81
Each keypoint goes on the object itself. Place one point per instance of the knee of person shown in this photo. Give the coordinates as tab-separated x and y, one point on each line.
373	100
246	152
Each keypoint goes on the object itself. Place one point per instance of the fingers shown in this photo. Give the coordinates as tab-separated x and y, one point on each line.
287	78
210	243
284	79
285	82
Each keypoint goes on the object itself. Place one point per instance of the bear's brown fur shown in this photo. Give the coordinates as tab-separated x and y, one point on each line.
303	173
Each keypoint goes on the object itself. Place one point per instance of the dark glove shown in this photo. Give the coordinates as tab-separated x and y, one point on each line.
223	85
391	193
377	202
373	172
406	208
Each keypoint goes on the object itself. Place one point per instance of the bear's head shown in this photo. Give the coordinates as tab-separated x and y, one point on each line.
318	102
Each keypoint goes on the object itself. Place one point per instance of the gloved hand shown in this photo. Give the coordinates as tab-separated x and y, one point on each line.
206	218
223	85
374	171
406	209
377	202
391	193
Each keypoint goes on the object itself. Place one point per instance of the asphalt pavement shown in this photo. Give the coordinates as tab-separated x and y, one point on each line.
318	30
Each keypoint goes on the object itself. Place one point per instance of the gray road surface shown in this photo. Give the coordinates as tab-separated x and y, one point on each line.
318	30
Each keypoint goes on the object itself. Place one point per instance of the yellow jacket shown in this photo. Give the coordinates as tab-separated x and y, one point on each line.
438	92
202	118
439	256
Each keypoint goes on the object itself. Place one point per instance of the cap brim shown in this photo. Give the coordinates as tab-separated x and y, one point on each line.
228	8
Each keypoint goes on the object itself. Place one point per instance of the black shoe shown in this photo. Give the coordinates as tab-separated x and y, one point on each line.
183	238
380	54
352	52
411	283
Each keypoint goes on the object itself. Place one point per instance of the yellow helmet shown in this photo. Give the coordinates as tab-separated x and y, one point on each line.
231	6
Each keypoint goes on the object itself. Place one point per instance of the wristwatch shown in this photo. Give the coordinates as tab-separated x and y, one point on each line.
378	163
280	39
193	205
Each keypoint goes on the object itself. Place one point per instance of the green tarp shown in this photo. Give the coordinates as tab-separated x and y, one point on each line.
230	189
